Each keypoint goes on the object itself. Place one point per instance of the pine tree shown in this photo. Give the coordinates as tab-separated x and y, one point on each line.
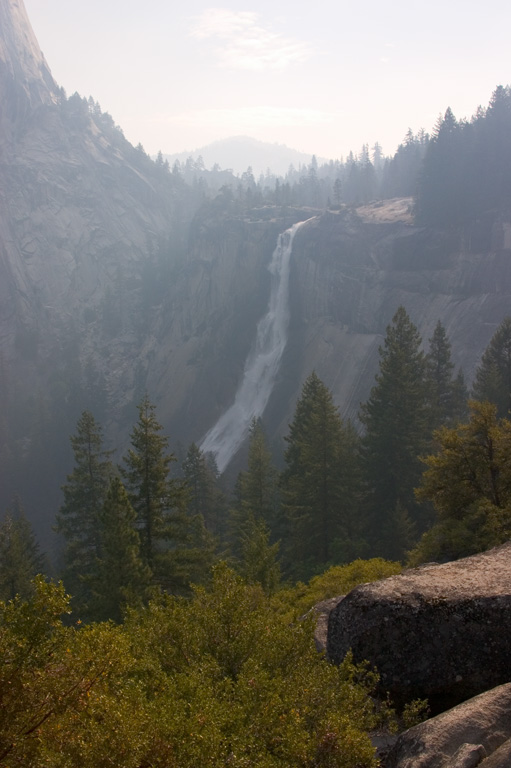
84	496
20	557
254	515
317	492
158	501
448	395
205	496
259	484
174	545
397	420
493	376
120	578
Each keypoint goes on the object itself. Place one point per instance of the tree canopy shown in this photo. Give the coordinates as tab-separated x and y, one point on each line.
469	482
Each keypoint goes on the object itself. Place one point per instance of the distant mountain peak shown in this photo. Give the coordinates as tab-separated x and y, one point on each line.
239	152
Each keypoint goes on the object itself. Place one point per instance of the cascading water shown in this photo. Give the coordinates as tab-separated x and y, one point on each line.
226	436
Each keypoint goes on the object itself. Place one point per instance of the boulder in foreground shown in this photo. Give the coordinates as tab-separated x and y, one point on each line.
441	632
475	733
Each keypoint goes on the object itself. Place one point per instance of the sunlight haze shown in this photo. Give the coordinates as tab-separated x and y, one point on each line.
322	78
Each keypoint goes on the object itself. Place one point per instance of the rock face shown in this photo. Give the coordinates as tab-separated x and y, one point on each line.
25	78
442	632
352	271
475	733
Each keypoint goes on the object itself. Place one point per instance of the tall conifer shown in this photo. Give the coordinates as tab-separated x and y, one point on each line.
205	497
120	579
253	518
396	418
174	545
318	495
84	495
20	557
493	376
448	395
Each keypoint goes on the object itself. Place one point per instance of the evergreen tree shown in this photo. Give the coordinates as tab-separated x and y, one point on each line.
317	488
120	578
493	376
159	501
440	199
174	546
254	515
84	496
259	484
205	496
259	559
448	396
20	557
396	419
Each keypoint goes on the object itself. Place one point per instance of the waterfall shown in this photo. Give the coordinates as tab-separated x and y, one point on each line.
225	438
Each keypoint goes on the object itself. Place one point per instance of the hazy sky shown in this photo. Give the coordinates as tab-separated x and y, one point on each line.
323	77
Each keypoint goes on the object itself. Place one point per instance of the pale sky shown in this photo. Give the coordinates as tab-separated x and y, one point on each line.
322	77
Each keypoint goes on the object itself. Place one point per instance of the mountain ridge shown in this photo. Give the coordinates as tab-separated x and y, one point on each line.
238	153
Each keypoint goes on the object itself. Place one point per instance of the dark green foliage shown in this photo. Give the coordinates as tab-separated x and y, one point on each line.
255	514
174	545
401	172
318	488
84	496
467	168
258	558
259	484
205	496
120	578
440	198
493	376
469	482
448	395
158	501
396	419
20	557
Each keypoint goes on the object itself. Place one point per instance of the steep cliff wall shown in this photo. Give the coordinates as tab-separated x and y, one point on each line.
86	221
350	272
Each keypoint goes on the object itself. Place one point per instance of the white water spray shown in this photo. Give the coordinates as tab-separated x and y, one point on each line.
226	436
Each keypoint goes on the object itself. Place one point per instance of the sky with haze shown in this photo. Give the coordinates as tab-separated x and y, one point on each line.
322	77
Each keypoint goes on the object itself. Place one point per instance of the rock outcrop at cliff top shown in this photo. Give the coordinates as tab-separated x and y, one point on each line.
440	631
